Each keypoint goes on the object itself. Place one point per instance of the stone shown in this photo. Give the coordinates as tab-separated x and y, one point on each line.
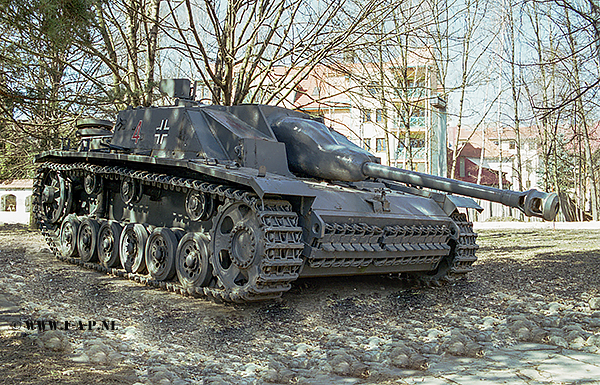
523	334
99	358
558	341
593	340
375	342
456	349
594	303
554	307
418	362
53	344
539	335
577	343
82	359
473	349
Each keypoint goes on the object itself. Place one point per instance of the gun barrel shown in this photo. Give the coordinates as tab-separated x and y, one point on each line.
531	203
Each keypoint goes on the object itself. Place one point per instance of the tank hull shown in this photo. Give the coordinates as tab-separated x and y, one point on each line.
329	229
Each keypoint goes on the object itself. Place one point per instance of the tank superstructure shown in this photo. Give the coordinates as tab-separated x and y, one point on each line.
238	202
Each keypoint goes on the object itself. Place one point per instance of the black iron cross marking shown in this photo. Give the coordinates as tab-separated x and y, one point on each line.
162	131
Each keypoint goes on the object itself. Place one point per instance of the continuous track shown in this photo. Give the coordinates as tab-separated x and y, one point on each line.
279	265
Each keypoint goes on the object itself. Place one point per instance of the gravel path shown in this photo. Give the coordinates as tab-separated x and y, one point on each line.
530	291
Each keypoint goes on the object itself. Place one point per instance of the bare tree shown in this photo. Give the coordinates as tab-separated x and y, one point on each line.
515	86
259	50
473	15
123	50
580	115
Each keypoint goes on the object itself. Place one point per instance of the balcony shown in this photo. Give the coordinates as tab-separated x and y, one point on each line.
418	153
417	121
412	93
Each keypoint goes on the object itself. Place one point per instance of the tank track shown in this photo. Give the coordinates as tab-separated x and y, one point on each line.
279	266
463	255
466	247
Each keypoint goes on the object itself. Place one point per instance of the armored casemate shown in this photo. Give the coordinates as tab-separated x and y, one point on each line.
238	202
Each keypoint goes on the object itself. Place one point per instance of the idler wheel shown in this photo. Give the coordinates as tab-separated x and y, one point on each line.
109	237
132	246
68	236
238	246
92	184
55	197
131	190
192	261
160	253
87	237
199	206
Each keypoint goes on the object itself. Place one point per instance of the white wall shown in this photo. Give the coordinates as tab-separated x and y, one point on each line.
22	213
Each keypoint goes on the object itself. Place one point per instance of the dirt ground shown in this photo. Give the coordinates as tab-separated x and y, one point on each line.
540	286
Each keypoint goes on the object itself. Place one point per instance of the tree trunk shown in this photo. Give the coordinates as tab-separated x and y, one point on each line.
151	47
133	24
584	128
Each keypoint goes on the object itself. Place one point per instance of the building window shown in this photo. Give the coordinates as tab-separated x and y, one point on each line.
373	89
417	143
379	115
380	145
366	116
512	145
316	92
8	203
461	167
367	144
28	203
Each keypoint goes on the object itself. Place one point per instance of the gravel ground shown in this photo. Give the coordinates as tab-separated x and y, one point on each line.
538	286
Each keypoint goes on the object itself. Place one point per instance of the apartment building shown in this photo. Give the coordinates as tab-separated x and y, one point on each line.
399	118
494	150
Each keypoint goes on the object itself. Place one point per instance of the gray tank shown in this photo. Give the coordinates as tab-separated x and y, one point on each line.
238	202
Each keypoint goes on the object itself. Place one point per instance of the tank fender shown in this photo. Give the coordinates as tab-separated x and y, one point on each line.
463	202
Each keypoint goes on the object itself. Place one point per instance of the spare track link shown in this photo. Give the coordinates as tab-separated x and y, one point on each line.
279	268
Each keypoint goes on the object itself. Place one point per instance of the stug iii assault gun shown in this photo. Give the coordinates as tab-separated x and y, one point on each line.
238	202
